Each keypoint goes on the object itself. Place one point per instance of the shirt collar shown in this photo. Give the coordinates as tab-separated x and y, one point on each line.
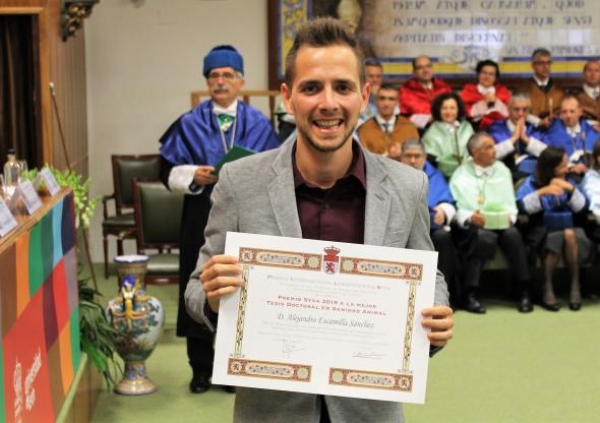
231	110
591	92
486	90
381	120
483	171
573	130
540	82
357	168
451	126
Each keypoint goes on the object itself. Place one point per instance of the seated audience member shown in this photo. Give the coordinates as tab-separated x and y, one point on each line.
374	76
485	217
545	93
441	208
574	134
445	140
486	101
552	200
518	142
386	129
591	183
589	97
418	92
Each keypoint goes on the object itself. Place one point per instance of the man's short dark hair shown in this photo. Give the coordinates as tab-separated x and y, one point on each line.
540	52
414	61
322	32
589	62
388	86
570	97
373	63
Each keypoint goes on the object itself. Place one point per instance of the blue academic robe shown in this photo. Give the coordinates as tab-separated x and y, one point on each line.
195	138
500	132
551	204
439	191
558	137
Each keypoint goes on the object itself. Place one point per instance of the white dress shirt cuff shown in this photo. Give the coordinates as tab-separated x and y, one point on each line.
463	217
449	211
577	201
504	148
181	178
535	147
532	203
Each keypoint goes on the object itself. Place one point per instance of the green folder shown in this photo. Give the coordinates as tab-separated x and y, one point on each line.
235	153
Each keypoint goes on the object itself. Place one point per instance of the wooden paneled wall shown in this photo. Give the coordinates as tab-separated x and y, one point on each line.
63	63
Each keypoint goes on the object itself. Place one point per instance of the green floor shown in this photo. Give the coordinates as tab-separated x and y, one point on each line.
500	367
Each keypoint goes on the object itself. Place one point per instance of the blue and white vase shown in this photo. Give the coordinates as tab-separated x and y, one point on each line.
138	319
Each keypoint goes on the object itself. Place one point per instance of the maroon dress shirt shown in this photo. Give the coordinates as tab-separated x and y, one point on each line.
336	213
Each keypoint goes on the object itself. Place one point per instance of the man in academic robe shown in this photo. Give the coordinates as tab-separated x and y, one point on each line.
191	148
441	210
543	91
518	142
485	218
374	75
589	96
573	133
386	131
418	92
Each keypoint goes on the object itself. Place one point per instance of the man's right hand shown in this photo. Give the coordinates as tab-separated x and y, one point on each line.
477	219
221	276
203	176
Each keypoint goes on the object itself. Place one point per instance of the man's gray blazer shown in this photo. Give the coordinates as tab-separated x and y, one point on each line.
257	195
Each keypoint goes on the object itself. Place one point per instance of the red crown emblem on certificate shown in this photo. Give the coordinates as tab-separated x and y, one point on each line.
331	259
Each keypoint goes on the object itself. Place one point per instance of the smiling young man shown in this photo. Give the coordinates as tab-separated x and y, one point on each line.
321	186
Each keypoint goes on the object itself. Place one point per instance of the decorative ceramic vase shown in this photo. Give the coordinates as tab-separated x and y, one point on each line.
139	320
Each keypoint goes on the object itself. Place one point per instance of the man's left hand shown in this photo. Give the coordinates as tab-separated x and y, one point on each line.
441	321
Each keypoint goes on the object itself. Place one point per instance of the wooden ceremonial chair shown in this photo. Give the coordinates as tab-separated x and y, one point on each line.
158	221
121	223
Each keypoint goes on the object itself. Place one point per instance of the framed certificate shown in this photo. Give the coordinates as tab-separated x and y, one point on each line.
327	318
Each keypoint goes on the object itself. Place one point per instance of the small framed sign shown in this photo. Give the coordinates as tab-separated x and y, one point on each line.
30	196
50	181
7	220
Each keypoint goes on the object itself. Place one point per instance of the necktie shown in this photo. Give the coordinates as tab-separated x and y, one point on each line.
225	121
386	128
595	93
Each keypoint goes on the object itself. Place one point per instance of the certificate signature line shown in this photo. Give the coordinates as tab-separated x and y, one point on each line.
290	347
368	355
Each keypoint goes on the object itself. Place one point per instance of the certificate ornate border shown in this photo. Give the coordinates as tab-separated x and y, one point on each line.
412	273
375	380
268	369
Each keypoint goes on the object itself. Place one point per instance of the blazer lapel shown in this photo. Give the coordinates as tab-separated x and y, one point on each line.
282	193
377	210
